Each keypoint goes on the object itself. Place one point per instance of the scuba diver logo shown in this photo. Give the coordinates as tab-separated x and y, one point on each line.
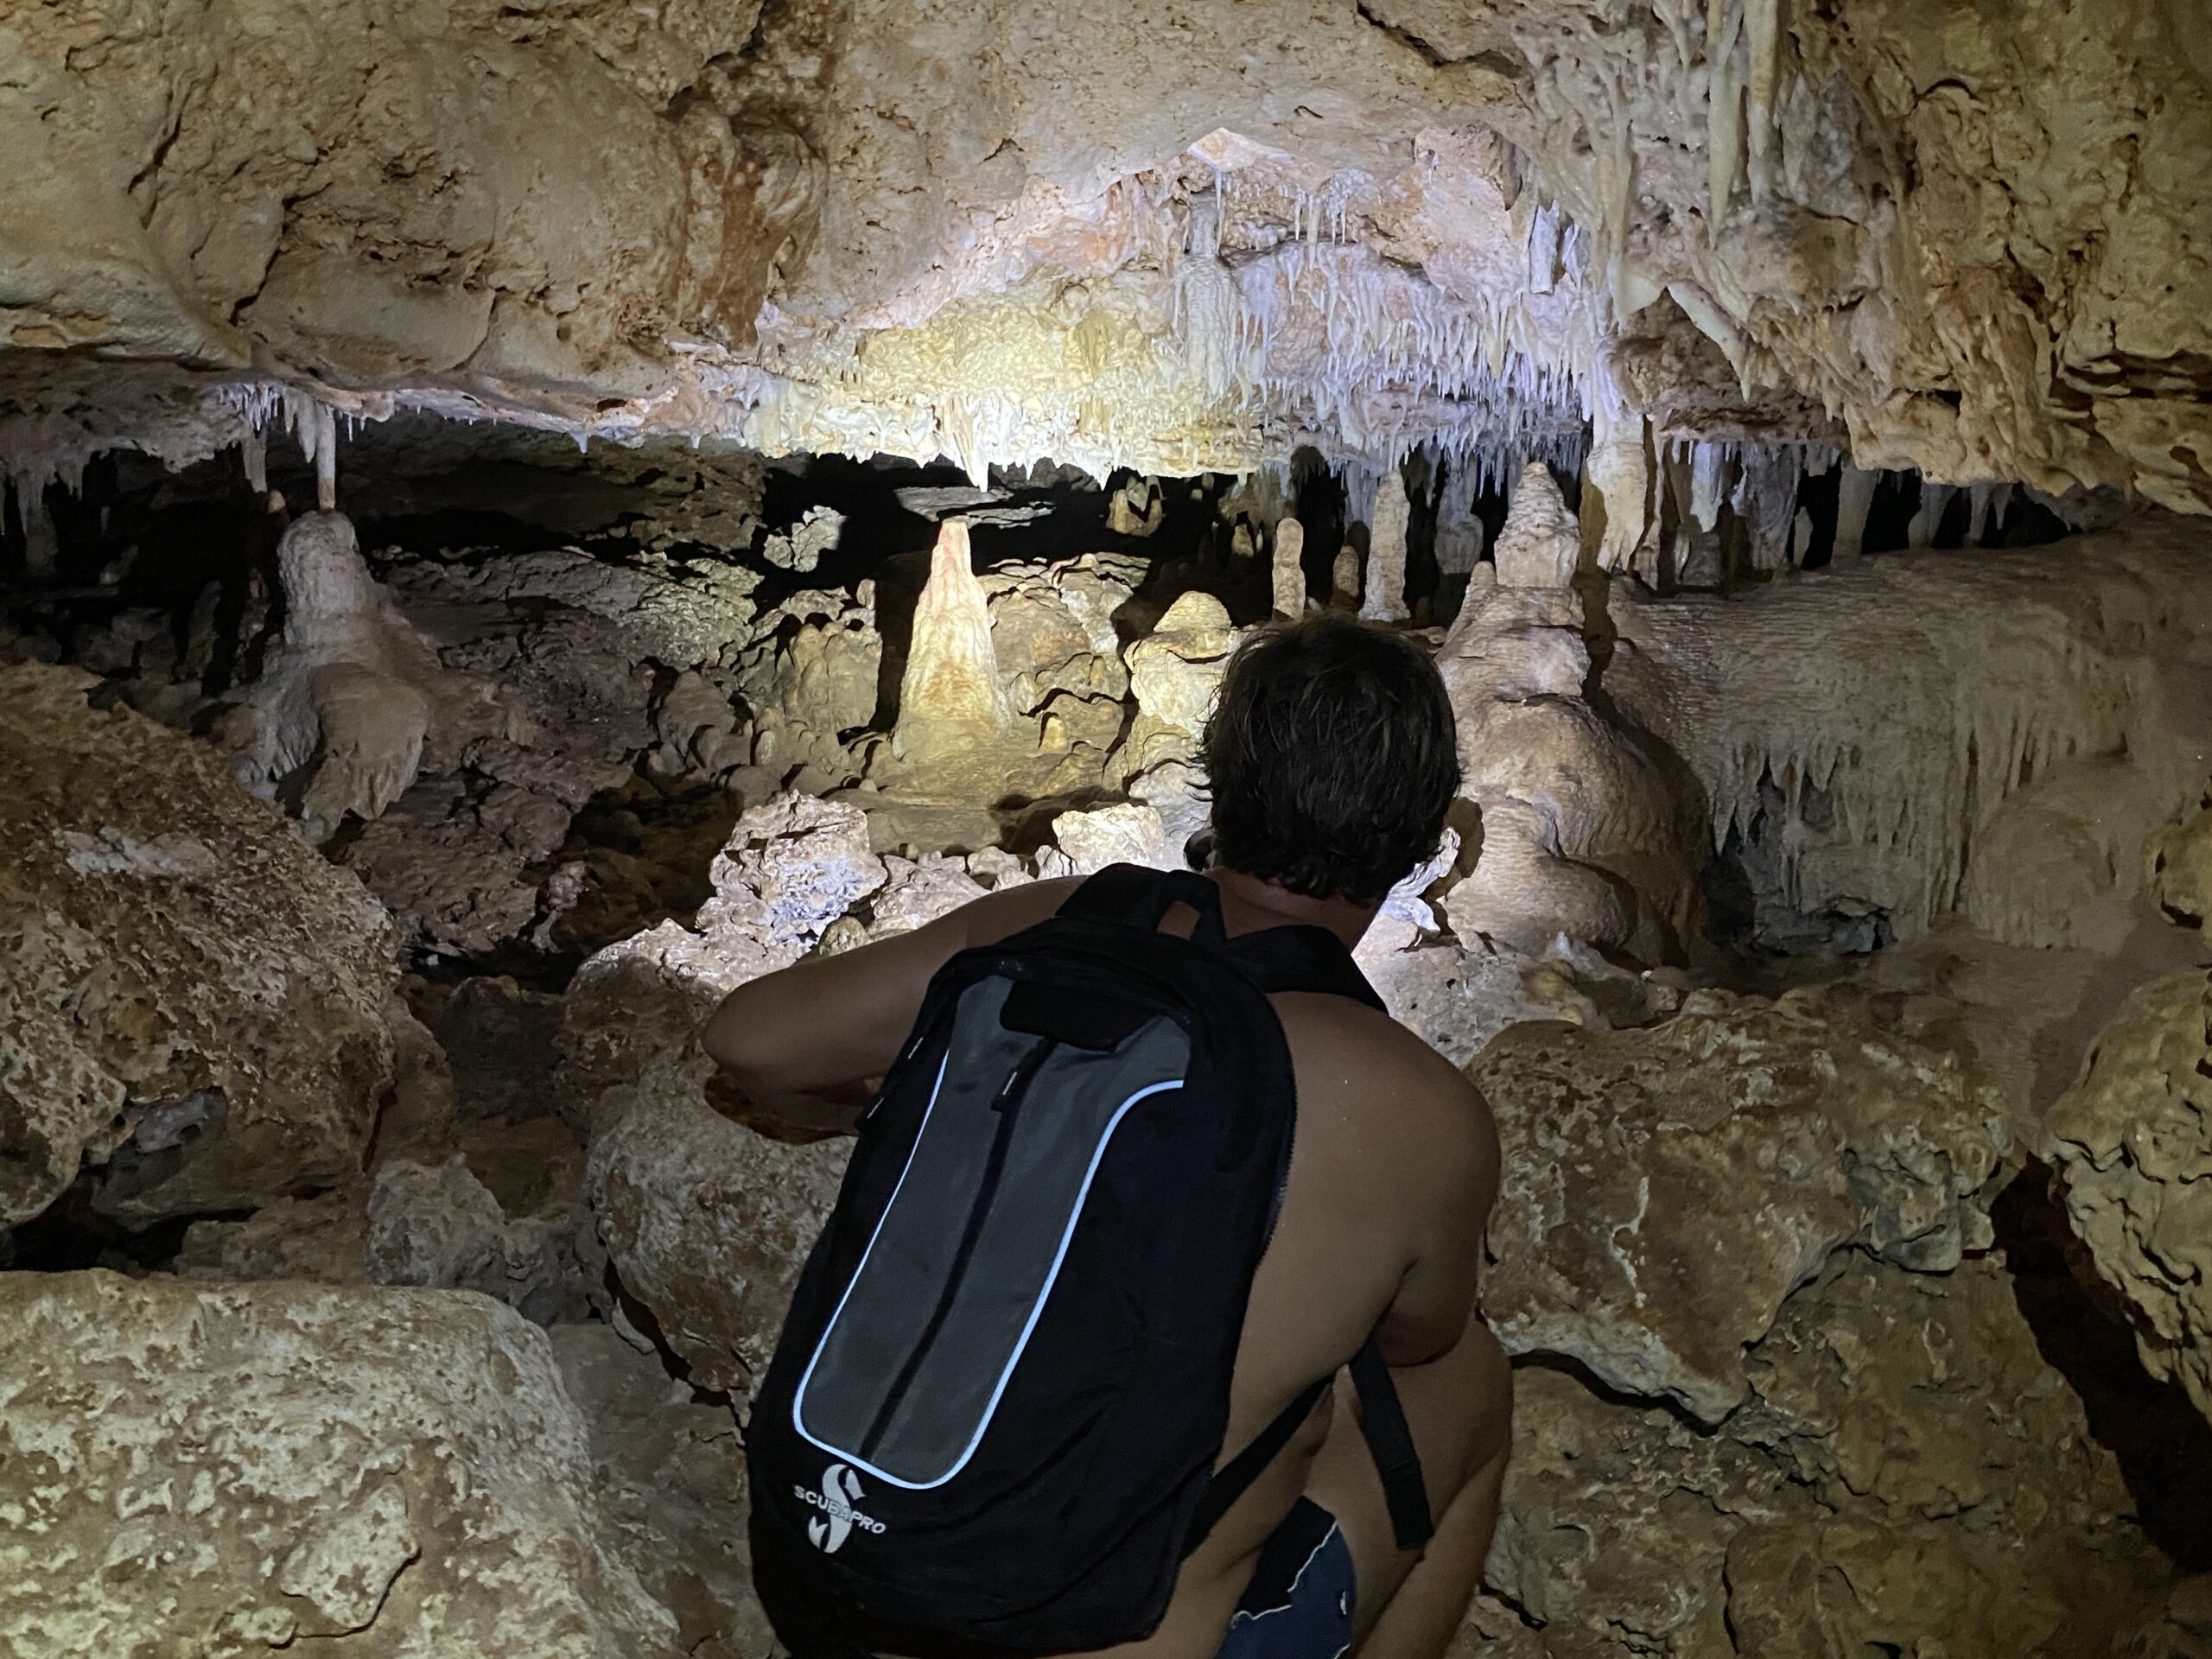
840	1491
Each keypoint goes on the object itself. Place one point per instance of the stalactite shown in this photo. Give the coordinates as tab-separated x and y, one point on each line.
1763	42
1920	534
1724	144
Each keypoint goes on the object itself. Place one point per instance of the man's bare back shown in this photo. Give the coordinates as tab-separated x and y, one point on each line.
1393	1172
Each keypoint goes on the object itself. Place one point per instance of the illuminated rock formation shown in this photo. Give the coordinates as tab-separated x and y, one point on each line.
195	1004
467	1525
2132	1142
950	700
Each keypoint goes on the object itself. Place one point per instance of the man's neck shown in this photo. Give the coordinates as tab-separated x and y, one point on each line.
1249	904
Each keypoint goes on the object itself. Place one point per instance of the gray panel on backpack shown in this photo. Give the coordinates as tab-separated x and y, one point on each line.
907	1373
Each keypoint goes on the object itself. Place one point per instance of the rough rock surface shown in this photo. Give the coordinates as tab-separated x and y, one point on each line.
2021	792
1622	1238
1877	1490
668	1474
2132	1142
193	998
384	1471
350	689
1709	215
707	1223
2178	865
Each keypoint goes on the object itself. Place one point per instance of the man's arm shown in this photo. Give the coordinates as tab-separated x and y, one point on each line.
1436	1299
805	1043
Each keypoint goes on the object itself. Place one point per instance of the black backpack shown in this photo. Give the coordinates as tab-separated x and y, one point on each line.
992	1416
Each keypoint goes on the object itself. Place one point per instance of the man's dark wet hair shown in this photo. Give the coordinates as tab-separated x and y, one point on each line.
1334	758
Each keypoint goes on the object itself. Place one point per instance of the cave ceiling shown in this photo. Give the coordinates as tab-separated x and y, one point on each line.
1972	240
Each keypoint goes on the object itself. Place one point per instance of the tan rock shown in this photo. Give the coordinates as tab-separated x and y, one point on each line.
398	1466
1175	671
1622	1238
193	999
669	1476
705	1221
1910	1474
2177	865
2132	1142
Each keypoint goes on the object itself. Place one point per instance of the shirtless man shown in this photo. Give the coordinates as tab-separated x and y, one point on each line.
1331	756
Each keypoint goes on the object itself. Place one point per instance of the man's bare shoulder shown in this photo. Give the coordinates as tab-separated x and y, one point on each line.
1350	1055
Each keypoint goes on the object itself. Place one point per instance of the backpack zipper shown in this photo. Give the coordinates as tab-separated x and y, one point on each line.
1007	1105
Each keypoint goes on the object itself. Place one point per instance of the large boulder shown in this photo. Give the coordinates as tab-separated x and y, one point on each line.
705	1221
1628	1237
191	1468
668	1474
2132	1142
1908	1476
193	998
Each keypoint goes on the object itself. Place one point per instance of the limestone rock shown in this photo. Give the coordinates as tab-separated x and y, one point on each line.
1541	542
1881	1490
193	999
916	891
2132	1142
705	1221
1622	1239
669	1476
438	1227
1130	833
317	1239
1457	997
499	1040
1585	830
315	1462
793	865
2177	865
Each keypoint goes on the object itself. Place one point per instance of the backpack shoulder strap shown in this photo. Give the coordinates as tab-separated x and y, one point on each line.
1302	958
1134	894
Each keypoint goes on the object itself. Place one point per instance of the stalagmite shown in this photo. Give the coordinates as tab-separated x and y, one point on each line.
1539	542
1854	496
1344	579
1801	538
1386	552
950	690
1289	574
1928	519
